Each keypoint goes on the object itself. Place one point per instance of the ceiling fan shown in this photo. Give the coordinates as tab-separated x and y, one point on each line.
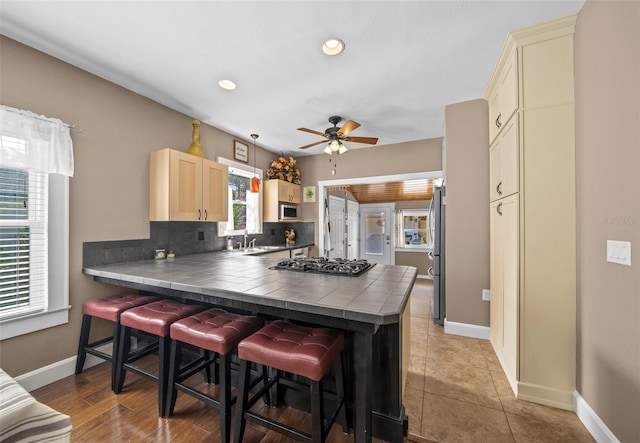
336	136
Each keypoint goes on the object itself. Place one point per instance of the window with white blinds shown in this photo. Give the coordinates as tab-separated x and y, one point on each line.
23	240
36	161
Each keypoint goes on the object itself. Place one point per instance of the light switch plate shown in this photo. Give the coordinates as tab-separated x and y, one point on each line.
619	252
486	295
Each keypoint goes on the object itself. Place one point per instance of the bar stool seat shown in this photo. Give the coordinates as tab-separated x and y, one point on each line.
213	330
299	350
108	308
155	319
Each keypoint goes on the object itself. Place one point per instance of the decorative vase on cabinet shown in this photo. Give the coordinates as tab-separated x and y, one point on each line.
185	187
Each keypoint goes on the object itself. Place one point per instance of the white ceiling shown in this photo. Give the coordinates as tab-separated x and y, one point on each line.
404	60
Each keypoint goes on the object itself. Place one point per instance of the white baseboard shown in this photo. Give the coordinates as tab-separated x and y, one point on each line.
466	330
57	371
591	421
424	276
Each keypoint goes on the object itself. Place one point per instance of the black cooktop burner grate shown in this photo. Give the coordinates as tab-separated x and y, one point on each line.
321	265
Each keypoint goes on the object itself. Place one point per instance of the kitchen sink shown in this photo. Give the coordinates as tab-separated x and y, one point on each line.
257	249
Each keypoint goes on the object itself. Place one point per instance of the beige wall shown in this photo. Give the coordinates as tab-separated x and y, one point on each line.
607	79
467	219
109	193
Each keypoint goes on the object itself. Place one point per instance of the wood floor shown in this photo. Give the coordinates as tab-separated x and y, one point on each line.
98	415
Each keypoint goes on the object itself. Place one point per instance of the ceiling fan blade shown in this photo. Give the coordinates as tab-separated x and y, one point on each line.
368	140
312	132
347	128
312	144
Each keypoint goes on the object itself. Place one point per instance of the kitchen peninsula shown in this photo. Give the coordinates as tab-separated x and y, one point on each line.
371	308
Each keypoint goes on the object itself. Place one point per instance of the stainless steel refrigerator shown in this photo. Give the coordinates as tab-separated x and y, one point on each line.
437	271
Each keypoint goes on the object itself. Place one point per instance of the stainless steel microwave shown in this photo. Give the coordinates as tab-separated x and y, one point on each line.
288	212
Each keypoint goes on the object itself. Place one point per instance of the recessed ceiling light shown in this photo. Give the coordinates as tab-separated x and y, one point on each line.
333	46
227	84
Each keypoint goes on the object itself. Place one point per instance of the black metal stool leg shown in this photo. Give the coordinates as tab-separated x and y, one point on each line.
163	373
124	347
174	373
317	411
225	397
83	342
243	396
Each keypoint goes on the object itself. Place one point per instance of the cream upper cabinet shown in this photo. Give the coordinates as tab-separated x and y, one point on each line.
533	219
503	94
278	192
504	165
185	187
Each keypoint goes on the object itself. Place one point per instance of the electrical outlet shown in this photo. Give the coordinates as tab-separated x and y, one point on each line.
486	295
200	235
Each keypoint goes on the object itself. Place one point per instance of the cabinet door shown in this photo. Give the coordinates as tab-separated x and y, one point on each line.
510	159
215	196
495	170
295	192
504	164
504	280
511	284
496	279
509	89
494	112
185	194
288	192
503	101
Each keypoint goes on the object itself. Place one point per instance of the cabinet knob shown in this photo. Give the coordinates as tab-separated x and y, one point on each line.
499	188
499	209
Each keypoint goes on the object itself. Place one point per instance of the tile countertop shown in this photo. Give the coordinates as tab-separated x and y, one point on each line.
377	296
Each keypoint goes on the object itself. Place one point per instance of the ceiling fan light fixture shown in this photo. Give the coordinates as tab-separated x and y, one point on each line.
342	149
333	46
327	150
227	84
334	145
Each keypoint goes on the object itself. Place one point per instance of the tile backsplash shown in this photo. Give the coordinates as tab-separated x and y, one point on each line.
186	238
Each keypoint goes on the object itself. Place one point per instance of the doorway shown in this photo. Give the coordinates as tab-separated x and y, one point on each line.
353	229
336	223
376	226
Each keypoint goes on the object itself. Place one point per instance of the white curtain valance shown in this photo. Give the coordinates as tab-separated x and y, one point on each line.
34	142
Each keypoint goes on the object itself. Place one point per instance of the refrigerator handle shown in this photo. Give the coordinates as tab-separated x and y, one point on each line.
430	272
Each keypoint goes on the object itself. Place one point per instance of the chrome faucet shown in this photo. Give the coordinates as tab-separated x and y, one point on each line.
252	243
245	239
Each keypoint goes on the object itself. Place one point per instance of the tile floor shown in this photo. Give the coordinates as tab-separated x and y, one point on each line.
457	392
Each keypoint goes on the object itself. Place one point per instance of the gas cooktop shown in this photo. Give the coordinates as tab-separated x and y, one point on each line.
321	265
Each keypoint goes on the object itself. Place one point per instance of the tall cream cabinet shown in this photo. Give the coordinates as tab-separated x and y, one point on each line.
533	218
185	187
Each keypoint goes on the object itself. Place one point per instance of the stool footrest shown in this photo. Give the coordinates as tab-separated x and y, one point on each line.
98	353
290	432
208	399
142	372
193	367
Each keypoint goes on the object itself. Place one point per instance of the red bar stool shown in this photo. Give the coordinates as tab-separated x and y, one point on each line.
107	308
155	319
302	351
213	330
